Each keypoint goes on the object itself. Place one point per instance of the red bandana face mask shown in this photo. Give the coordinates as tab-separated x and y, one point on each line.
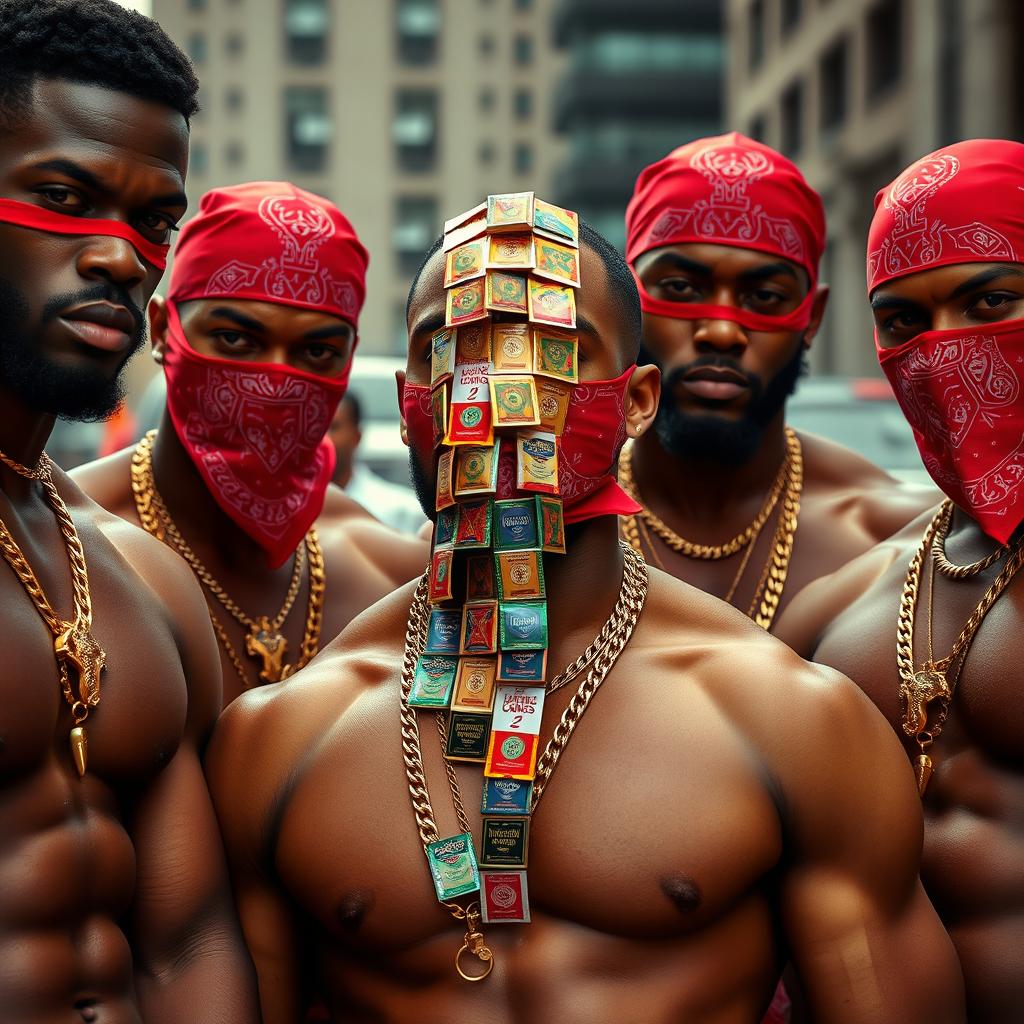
257	434
594	432
27	215
961	391
727	190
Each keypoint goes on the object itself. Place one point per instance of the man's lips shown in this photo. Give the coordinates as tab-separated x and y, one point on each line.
715	384
101	325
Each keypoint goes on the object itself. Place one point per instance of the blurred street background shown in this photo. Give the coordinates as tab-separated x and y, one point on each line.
405	112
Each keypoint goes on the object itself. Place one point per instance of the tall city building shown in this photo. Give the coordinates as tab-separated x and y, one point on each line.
403	112
642	77
853	91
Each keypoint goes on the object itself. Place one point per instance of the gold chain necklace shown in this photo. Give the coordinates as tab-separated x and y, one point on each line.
788	486
950	569
600	656
708	552
74	645
936	680
264	641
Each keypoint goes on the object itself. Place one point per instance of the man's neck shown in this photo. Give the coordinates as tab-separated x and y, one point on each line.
967	542
703	491
582	585
23	436
202	522
342	475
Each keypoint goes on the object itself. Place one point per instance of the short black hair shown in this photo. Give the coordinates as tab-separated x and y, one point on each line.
354	407
621	285
93	42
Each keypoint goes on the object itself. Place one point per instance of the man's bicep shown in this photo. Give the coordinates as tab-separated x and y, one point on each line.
864	939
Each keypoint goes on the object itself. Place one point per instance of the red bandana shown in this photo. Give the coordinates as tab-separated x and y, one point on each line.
727	190
594	433
28	215
961	390
960	204
269	241
257	431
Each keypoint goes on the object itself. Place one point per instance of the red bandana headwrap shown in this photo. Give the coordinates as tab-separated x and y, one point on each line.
961	390
727	190
257	431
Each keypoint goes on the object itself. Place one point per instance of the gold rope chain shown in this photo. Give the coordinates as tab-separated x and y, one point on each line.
708	552
951	569
74	643
157	521
768	593
618	630
936	680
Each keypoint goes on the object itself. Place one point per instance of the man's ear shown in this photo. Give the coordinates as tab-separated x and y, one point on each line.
157	313
642	397
817	314
403	426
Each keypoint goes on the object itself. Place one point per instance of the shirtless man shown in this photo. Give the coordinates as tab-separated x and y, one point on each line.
700	827
114	900
256	340
950	335
725	238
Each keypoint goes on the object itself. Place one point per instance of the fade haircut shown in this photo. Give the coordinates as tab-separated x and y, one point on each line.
93	42
621	288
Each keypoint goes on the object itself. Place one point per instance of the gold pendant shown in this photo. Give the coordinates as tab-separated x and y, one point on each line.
270	646
473	944
79	749
923	771
924	687
77	647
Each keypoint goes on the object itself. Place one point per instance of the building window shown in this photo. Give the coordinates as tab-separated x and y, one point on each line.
522	158
234	44
198	158
196	47
792	119
524	5
306	25
234	99
197	5
485	154
632	51
414	129
833	86
522	50
486	100
790	12
755	39
418	26
758	128
234	154
523	104
414	229
486	45
308	128
951	54
884	47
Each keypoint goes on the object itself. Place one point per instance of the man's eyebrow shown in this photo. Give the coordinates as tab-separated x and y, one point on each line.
881	301
1003	270
72	170
770	270
673	259
585	325
239	318
330	331
90	180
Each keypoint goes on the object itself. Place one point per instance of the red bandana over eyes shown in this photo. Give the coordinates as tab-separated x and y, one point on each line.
28	215
961	390
727	190
256	432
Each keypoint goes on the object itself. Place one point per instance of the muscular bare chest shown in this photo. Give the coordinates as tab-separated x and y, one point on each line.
974	805
652	825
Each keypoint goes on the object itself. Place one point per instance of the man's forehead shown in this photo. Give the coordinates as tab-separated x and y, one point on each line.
91	122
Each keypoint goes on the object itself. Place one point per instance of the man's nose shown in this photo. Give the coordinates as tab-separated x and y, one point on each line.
720	336
112	260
